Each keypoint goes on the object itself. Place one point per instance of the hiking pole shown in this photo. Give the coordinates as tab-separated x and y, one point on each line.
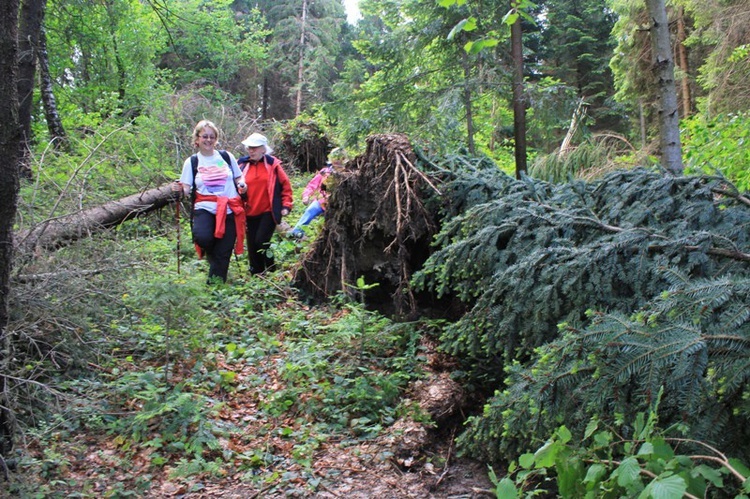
177	216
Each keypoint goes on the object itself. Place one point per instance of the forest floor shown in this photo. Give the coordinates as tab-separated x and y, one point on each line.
406	460
264	452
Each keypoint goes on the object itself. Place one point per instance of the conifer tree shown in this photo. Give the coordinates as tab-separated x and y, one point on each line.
305	42
576	47
544	267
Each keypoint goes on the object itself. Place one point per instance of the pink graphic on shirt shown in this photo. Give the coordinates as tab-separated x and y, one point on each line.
214	178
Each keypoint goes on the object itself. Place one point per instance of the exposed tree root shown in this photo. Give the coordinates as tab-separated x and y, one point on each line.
376	227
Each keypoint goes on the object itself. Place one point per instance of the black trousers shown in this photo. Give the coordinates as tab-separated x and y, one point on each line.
259	232
218	251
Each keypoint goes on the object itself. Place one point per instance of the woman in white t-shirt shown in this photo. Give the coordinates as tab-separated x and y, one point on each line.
213	180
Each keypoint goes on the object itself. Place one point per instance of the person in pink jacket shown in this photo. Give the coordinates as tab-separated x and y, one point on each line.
315	195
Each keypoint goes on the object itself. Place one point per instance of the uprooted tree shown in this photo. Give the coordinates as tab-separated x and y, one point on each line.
303	145
639	278
581	298
377	227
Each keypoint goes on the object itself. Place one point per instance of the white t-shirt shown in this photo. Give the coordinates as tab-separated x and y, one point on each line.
214	177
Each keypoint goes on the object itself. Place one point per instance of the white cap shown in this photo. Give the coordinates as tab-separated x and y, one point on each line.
255	140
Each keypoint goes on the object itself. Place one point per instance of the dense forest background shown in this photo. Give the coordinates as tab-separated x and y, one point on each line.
586	304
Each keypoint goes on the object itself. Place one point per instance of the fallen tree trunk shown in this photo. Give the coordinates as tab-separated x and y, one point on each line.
57	232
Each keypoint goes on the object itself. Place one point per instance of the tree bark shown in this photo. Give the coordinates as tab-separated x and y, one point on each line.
265	97
301	65
467	101
669	119
10	140
66	229
683	61
54	123
519	103
121	74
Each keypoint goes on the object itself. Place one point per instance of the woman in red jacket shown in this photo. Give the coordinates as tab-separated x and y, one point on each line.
269	198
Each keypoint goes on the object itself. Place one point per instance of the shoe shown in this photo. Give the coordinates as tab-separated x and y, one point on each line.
296	233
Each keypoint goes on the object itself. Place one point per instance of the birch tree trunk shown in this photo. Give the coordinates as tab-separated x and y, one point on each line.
54	122
669	119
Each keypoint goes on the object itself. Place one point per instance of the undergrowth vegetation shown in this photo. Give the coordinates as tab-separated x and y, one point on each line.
146	372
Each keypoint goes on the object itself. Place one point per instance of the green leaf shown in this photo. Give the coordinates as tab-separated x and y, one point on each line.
482	44
666	488
627	473
526	461
570	473
603	438
661	449
547	453
739	466
527	17
510	18
712	475
646	449
594	473
506	489
564	434
457	29
591	428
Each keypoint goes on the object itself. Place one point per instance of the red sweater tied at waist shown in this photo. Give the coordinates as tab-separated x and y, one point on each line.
222	202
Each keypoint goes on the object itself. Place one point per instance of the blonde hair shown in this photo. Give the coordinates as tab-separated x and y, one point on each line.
199	129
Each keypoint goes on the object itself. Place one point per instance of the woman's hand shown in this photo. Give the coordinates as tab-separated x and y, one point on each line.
177	188
284	212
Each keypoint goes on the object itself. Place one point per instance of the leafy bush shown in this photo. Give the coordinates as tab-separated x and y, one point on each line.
349	373
605	463
719	144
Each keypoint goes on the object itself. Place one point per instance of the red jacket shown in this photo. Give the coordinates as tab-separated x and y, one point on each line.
278	185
